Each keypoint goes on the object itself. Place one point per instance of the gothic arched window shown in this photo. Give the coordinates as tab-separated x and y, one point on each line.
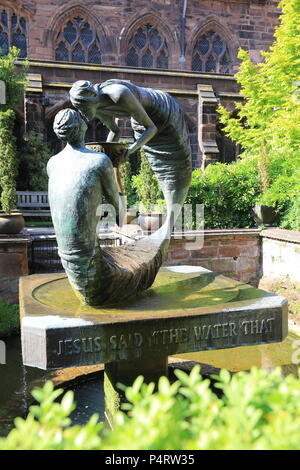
147	48
77	42
13	32
211	54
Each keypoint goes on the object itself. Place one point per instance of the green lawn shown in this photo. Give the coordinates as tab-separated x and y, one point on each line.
34	223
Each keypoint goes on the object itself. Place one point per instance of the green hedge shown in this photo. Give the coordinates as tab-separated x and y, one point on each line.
257	410
34	154
8	161
228	193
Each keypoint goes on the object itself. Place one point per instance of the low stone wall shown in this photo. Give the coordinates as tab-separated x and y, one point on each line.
246	255
234	253
13	264
281	254
13	256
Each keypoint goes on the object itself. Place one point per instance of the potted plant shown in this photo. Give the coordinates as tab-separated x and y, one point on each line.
150	198
11	220
264	212
151	218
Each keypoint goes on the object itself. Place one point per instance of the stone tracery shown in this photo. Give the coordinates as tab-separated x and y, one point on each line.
13	31
77	41
147	48
211	53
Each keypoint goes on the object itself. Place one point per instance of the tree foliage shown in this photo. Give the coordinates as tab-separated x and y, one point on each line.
269	117
15	81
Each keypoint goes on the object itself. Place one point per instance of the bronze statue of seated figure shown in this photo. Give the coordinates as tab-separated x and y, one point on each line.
78	180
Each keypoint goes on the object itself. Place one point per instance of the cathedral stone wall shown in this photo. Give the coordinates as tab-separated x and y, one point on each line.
181	46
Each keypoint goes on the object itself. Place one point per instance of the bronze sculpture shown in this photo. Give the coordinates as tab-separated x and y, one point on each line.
159	127
79	177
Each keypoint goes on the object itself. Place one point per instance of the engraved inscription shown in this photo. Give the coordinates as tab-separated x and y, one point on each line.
79	345
98	344
196	336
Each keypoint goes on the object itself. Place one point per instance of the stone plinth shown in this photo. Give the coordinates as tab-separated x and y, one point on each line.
188	309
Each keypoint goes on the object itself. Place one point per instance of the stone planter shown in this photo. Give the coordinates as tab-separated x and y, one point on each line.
12	223
151	222
131	215
264	215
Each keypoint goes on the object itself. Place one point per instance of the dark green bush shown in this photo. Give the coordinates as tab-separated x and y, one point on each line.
259	410
146	185
125	174
9	319
34	156
228	193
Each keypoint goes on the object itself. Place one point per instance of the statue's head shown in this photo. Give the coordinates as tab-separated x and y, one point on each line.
84	96
70	127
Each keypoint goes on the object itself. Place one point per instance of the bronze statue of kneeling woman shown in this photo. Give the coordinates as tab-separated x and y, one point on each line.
78	178
159	127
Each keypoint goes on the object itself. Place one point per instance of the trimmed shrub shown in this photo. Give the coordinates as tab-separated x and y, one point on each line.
8	161
146	185
125	175
9	319
34	156
259	410
15	85
228	193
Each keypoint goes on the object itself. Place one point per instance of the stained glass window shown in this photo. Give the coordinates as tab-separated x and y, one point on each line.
13	32
62	53
78	42
162	60
70	33
147	60
78	54
4	42
147	48
132	58
211	54
4	18
19	40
